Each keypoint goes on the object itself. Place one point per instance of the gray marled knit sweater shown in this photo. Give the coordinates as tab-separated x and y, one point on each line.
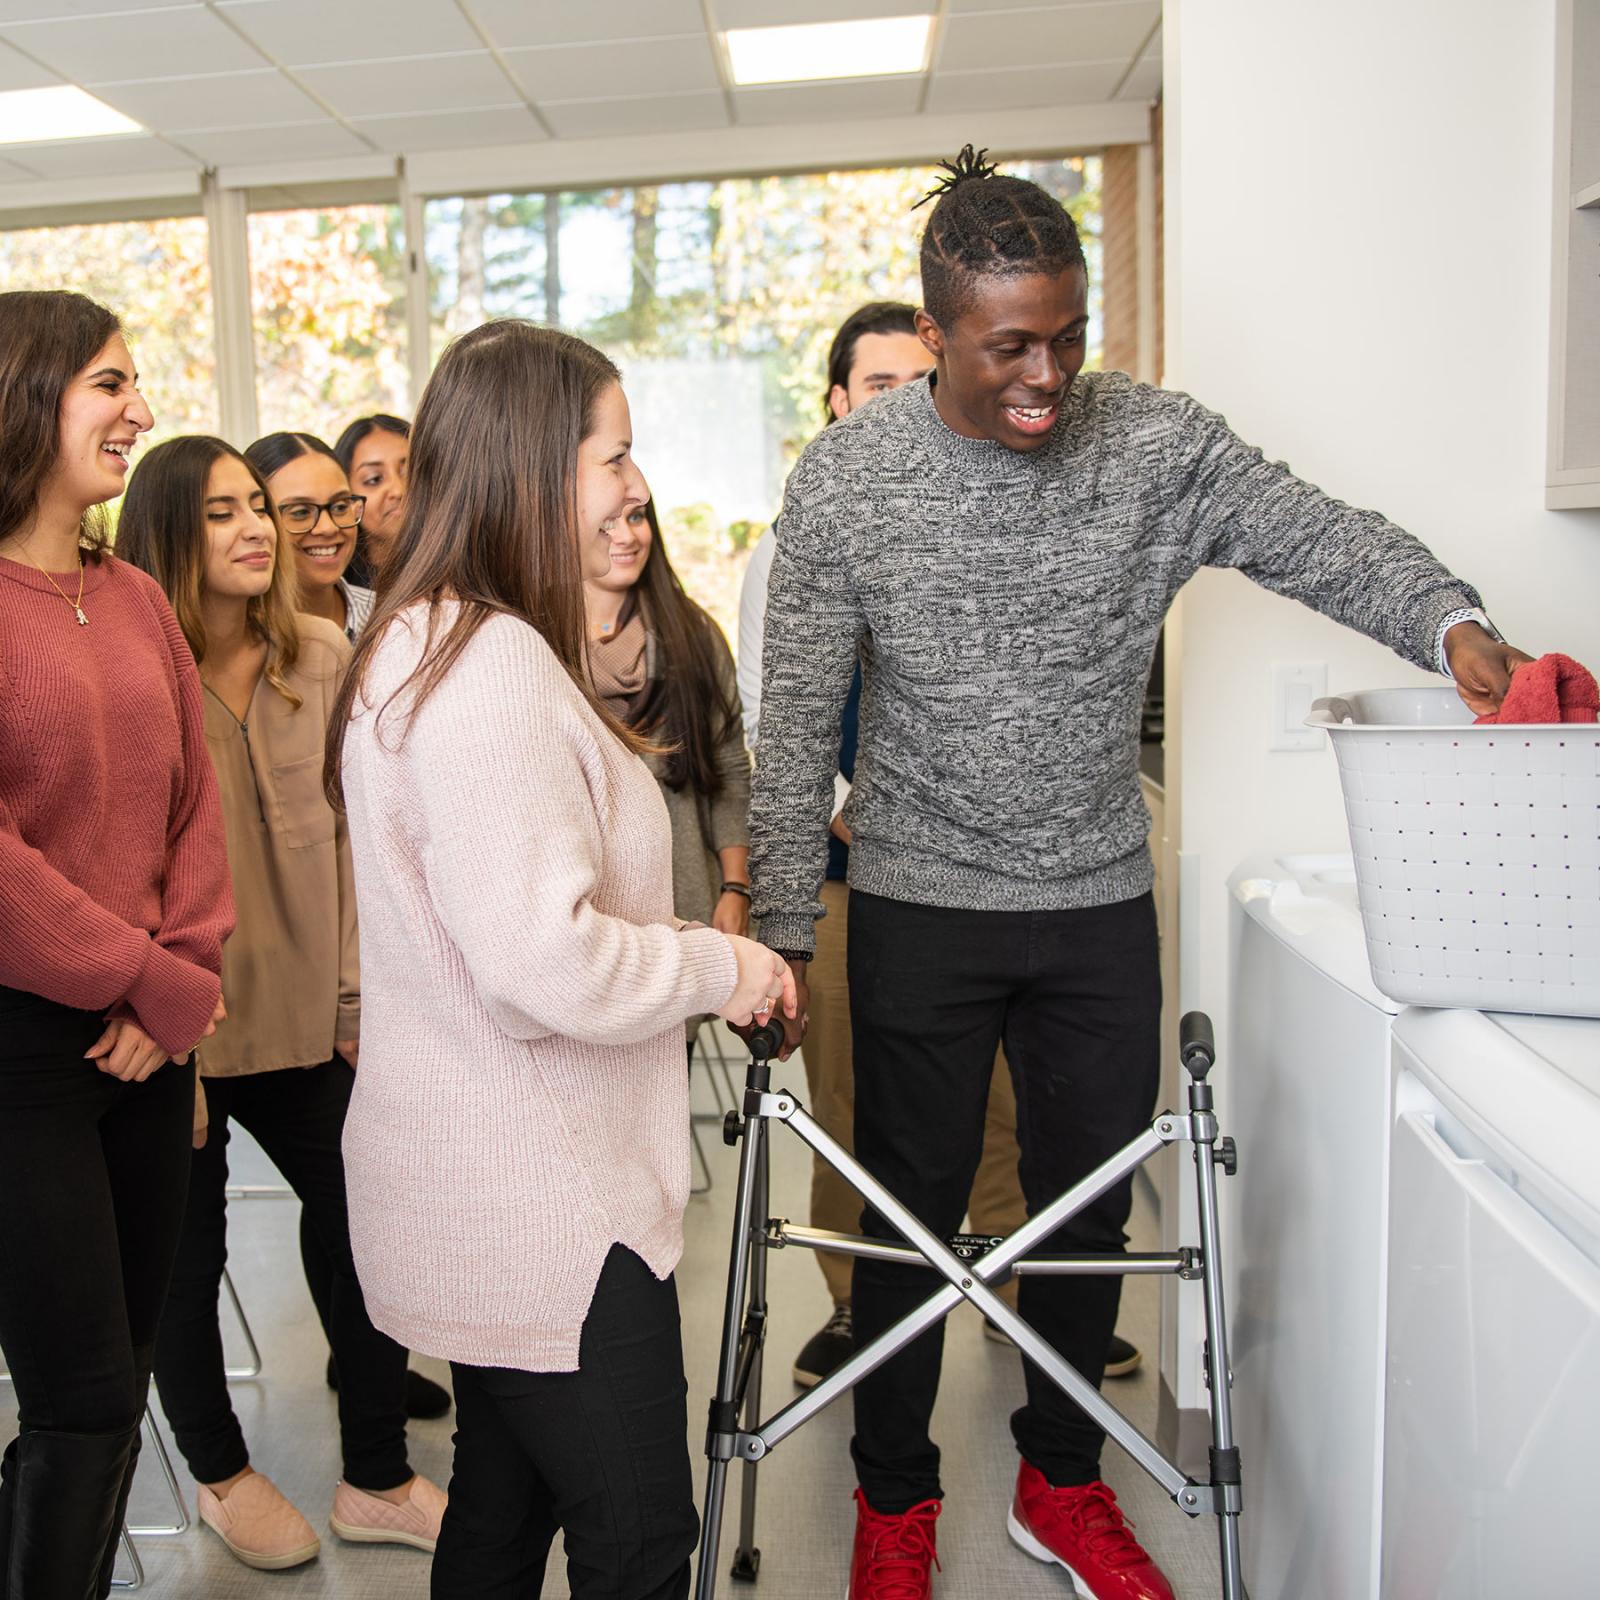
1006	608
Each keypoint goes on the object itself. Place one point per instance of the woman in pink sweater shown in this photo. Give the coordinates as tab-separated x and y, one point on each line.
114	903
516	1148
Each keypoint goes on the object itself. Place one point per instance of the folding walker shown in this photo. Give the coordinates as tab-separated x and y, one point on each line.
972	1267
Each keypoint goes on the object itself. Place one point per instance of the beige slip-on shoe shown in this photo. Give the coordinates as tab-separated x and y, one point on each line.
258	1524
370	1519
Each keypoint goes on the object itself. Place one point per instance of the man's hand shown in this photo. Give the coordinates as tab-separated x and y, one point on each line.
1481	666
126	1051
794	1028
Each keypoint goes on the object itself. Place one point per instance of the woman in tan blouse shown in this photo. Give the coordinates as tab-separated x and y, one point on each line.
197	517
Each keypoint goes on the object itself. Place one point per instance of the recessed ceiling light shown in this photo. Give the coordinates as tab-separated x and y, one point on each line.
872	48
30	116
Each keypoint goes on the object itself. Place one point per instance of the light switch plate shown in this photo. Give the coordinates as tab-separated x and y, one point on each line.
1295	684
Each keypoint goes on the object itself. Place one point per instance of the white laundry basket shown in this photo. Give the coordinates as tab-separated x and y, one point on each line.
1477	851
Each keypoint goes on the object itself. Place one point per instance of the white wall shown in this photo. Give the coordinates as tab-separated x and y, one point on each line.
1358	277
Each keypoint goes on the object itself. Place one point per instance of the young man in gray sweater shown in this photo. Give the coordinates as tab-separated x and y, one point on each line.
998	546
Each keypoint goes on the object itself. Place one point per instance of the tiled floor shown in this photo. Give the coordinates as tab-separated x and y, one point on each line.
805	1514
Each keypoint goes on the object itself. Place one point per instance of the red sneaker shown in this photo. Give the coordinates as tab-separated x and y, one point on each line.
1083	1530
894	1556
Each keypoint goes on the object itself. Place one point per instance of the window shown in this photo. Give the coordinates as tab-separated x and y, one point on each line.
327	293
718	300
156	277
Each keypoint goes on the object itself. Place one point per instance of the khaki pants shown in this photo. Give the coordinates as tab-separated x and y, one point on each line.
996	1205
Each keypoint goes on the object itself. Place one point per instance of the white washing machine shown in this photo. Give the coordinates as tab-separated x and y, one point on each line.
1308	1102
1493	1393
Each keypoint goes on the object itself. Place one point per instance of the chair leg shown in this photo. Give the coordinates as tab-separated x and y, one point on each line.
164	1461
252	1368
135	1578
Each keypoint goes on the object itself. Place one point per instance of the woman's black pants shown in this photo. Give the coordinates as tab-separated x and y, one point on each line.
297	1116
93	1173
600	1454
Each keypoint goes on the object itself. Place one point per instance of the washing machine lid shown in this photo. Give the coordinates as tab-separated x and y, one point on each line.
1529	1086
1308	904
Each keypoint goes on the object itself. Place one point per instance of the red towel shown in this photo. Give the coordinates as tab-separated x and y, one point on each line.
1552	689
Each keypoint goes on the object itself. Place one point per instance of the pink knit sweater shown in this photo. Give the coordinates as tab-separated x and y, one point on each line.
522	1101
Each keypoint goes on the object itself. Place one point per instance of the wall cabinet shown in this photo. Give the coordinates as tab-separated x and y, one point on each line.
1574	464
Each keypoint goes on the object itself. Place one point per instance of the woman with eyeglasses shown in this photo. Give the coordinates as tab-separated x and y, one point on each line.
321	516
197	518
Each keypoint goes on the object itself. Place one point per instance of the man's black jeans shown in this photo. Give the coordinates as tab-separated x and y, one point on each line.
1076	998
297	1117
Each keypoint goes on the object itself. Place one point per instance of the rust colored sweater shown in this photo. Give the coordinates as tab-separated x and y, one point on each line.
114	892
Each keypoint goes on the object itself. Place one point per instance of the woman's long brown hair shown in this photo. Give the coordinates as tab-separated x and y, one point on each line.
162	530
685	709
491	511
47	337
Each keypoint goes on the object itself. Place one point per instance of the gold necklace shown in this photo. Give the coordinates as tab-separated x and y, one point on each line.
77	605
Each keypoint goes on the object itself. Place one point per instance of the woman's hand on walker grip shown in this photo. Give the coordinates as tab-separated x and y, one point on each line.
764	986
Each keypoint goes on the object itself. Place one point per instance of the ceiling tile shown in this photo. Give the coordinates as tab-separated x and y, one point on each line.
609	71
1046	38
789	13
451	130
304	141
519	22
98	158
647	114
251	99
425	83
1144	82
55	10
18	72
302	33
146	44
1083	84
818	102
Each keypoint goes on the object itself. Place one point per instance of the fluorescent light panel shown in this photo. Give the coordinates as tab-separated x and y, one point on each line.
874	47
31	116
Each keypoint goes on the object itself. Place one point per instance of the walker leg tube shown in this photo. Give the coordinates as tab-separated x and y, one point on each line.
746	1556
724	1406
1226	1491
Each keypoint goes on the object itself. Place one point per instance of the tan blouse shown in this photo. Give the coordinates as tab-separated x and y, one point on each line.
291	976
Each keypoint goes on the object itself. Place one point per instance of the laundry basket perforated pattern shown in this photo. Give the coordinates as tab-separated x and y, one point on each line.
1477	851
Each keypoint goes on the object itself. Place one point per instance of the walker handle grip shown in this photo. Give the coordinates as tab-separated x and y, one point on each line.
1197	1043
767	1040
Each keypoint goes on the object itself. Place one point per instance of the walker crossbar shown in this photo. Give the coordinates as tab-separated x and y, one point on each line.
971	1267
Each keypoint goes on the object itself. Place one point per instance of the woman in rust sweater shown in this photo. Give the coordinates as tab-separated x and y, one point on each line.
114	902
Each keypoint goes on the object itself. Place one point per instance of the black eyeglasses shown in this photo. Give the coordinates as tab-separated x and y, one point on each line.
344	511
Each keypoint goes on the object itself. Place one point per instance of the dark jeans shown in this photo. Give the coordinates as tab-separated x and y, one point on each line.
297	1117
93	1173
1076	998
599	1453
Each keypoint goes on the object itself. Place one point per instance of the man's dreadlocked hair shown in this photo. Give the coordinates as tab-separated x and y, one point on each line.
985	223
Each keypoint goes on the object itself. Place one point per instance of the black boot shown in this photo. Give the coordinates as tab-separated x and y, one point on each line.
66	1490
108	1564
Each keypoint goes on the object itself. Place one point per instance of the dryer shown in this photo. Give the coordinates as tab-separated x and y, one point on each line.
1308	1103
